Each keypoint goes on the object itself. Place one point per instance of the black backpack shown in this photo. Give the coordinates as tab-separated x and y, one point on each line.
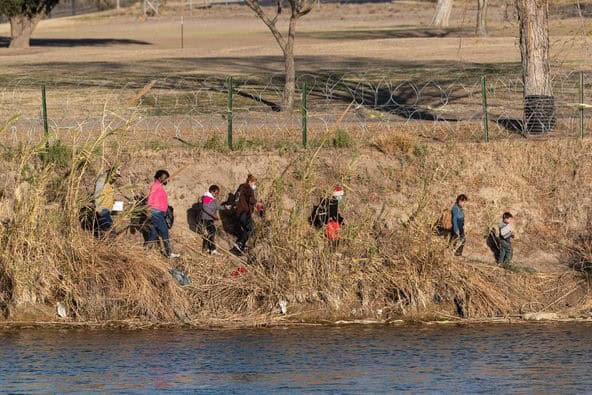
321	214
169	217
232	199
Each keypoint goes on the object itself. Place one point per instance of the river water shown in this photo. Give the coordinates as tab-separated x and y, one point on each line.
351	359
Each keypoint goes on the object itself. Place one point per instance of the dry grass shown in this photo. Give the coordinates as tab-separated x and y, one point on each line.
47	258
392	265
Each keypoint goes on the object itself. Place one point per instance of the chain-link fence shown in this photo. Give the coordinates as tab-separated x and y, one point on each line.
197	110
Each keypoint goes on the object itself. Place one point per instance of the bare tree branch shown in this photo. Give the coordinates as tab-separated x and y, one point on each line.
298	8
271	23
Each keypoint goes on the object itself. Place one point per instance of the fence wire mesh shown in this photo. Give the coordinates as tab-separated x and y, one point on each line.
195	109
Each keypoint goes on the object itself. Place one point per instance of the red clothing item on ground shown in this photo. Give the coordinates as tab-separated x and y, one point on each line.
157	198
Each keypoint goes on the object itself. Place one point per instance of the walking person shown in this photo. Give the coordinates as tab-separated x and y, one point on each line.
158	205
506	234
458	224
326	214
208	216
104	198
245	205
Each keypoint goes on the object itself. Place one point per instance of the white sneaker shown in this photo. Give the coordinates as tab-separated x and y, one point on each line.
238	248
173	255
214	252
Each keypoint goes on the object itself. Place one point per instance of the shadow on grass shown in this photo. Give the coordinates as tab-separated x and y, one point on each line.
512	125
76	42
377	34
410	90
579	9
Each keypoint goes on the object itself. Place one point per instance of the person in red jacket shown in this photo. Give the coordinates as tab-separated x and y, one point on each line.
158	204
245	205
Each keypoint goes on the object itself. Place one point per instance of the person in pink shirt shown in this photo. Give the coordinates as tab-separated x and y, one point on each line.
158	203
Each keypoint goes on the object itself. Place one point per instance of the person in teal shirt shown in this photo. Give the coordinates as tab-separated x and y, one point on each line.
458	224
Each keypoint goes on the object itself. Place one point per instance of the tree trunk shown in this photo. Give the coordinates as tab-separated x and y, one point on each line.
482	17
21	28
290	82
442	15
534	46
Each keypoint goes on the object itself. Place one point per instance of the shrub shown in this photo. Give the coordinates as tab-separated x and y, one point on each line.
57	154
342	139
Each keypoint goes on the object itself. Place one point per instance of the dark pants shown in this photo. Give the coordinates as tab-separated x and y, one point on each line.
105	220
506	252
158	228
209	235
245	221
459	241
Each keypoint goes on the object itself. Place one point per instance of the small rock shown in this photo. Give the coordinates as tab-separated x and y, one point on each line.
540	316
61	310
283	306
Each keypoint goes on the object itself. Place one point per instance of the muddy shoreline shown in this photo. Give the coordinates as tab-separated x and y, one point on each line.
139	325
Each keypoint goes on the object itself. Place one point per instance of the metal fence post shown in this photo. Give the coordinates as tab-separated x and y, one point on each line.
229	112
181	31
44	110
582	125
485	115
304	116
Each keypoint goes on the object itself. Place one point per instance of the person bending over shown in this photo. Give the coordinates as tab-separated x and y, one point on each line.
105	198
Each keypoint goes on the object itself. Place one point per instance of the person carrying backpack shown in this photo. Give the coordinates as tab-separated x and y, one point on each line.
506	234
104	197
245	205
326	215
208	216
158	206
457	235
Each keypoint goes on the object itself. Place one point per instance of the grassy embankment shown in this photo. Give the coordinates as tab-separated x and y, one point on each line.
393	265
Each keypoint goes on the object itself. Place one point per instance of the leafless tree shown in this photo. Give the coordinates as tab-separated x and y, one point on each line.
297	9
24	15
534	46
442	15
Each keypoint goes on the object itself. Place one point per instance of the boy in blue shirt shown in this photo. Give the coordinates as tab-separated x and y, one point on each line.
458	224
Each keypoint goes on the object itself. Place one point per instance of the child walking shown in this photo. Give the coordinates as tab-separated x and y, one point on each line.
506	235
209	209
457	236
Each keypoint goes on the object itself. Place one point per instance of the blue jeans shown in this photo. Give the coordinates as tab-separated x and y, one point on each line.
245	221
158	229
105	220
506	252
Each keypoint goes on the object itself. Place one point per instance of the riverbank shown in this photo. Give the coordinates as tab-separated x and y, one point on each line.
536	319
390	266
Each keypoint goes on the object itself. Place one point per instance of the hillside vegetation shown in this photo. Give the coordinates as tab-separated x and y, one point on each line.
390	265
